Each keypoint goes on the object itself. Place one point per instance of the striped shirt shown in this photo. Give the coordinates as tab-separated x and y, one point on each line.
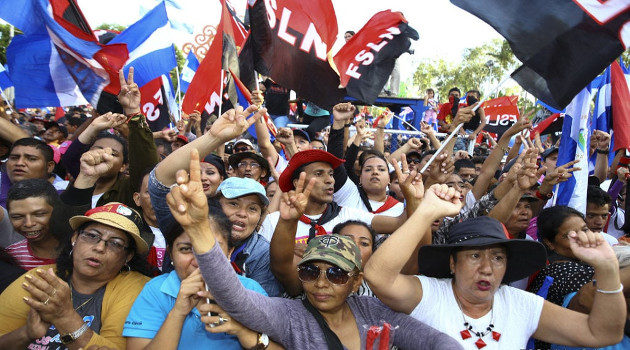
22	253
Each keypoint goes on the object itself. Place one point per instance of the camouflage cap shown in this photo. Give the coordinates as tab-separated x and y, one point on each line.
334	249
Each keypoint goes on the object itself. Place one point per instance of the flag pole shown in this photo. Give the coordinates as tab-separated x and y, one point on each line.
221	97
178	99
458	127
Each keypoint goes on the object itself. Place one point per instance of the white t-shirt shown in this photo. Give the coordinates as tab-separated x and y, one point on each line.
348	196
301	236
516	315
95	199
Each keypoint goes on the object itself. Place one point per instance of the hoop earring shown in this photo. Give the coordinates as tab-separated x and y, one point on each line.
126	266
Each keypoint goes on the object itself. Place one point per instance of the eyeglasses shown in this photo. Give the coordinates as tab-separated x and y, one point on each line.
414	161
253	165
115	245
335	275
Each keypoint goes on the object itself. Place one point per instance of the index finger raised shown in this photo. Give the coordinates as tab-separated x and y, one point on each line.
195	168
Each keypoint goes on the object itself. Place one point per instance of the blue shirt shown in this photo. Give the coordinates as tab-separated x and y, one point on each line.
156	300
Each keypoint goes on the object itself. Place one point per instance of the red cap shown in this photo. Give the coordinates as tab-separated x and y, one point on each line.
182	138
305	157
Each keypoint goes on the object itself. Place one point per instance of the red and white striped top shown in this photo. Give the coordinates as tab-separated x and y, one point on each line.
21	252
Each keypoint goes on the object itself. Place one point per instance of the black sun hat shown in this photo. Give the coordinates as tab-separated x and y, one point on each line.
524	257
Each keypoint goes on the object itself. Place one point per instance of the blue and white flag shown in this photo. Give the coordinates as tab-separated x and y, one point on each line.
150	45
39	76
54	52
575	145
190	67
602	114
176	15
5	81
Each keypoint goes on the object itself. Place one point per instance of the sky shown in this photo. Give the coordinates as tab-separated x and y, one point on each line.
445	30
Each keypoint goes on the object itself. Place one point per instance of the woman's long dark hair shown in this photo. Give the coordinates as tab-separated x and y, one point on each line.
65	264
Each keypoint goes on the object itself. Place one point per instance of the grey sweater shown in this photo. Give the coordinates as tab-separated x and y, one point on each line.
289	323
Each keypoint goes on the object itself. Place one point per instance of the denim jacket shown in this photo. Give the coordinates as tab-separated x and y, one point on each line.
257	265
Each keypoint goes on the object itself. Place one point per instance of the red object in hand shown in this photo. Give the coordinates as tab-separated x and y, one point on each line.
384	342
372	334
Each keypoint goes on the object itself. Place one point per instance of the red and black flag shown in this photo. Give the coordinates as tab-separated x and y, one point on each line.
365	62
291	42
563	44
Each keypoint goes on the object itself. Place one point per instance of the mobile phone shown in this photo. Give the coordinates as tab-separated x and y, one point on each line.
211	301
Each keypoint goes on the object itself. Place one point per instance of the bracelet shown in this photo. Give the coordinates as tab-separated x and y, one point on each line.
347	125
129	116
619	290
543	196
505	150
380	127
602	151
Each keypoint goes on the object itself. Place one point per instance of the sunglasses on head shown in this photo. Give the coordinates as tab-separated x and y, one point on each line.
335	275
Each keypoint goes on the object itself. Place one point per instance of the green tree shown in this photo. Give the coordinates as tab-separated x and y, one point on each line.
179	55
5	39
480	68
111	26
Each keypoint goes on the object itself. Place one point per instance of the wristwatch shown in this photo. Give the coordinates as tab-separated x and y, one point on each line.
70	337
263	342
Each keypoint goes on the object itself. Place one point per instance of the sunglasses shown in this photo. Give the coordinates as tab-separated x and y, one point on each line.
335	275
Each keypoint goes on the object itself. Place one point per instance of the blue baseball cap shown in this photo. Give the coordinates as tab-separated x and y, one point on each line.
234	187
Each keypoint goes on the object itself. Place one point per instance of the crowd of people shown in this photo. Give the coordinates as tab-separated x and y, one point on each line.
114	236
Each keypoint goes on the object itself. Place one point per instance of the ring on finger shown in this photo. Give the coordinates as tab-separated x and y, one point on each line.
406	172
46	301
54	291
223	320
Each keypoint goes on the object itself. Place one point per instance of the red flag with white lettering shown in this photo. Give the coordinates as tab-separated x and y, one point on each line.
154	104
291	40
204	91
501	113
365	62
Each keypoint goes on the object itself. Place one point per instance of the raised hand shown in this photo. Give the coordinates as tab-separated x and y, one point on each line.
561	173
528	173
426	128
96	162
409	179
285	136
235	122
343	111
440	201
187	201
441	168
592	248
385	118
464	114
361	129
108	120
129	96
522	124
187	297
601	139
294	202
257	98
169	135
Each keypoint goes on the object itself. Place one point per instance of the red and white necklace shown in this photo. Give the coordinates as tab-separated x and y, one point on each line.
469	331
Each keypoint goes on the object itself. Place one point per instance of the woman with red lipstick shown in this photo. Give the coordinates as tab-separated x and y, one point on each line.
462	288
